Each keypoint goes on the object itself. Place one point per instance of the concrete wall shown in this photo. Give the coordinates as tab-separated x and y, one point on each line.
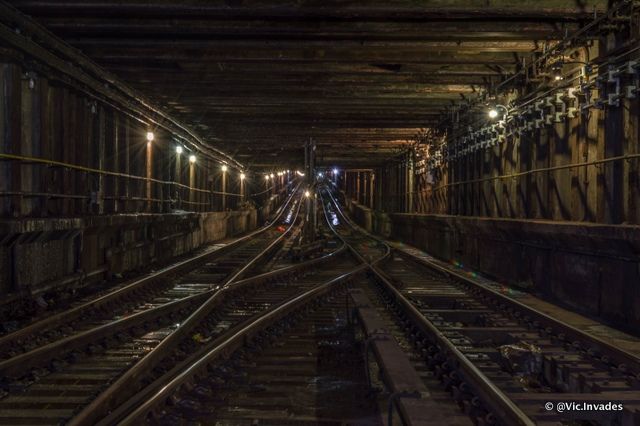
362	215
39	254
592	269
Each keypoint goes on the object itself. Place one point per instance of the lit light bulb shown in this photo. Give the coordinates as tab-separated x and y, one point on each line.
242	176
178	150
150	136
266	177
307	194
224	167
558	77
335	171
493	113
192	159
271	175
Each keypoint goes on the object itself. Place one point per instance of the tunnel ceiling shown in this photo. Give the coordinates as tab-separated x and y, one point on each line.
258	78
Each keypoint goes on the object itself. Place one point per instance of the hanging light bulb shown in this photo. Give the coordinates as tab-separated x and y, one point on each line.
493	112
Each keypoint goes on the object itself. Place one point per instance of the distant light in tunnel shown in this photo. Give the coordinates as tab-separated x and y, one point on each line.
493	113
299	173
178	150
224	168
150	136
307	194
266	177
335	171
271	176
242	176
192	159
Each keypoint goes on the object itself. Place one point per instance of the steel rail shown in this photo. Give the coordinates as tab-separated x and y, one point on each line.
354	226
501	405
398	375
235	341
132	404
625	360
497	401
117	392
106	299
40	355
628	359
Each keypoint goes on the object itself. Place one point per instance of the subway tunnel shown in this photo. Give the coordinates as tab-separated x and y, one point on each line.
270	212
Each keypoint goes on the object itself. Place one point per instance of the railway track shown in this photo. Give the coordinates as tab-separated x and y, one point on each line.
305	367
302	369
189	277
521	359
49	383
301	345
502	362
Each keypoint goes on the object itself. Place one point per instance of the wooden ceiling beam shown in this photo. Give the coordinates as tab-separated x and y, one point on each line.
259	77
335	10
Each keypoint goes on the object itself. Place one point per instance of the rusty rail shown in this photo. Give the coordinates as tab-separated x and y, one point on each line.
142	282
117	392
571	333
235	341
497	401
492	396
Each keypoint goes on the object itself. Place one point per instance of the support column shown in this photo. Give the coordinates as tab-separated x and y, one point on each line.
365	188
192	181
410	194
10	138
372	186
148	174
224	189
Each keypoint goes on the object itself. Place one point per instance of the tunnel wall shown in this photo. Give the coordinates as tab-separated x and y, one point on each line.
591	269
69	150
66	253
85	195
